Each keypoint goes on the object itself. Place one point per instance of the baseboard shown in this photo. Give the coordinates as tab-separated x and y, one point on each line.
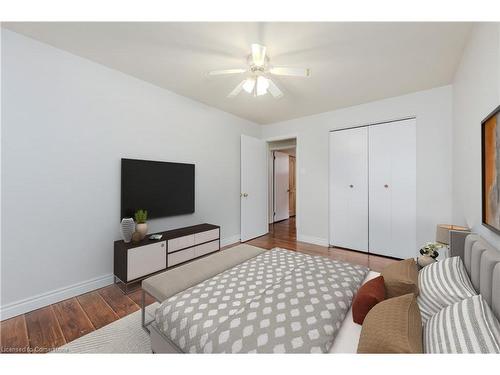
229	240
311	239
29	304
54	296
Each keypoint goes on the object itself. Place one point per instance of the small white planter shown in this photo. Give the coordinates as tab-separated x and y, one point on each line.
142	228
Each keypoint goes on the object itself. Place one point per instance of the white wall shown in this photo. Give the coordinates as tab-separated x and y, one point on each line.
66	122
433	109
476	92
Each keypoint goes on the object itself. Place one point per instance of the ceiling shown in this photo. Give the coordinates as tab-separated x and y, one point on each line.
351	63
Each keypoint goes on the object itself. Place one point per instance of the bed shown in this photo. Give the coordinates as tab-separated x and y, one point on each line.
277	301
282	301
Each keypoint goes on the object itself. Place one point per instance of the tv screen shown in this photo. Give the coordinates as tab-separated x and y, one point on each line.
161	188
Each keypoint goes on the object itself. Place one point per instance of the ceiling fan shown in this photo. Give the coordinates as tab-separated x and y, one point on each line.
258	82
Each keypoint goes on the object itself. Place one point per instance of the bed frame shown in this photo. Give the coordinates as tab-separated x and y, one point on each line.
482	262
159	342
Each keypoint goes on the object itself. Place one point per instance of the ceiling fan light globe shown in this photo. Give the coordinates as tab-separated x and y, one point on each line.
258	54
249	85
262	86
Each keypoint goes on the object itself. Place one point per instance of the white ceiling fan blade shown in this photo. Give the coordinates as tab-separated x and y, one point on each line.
237	89
285	71
274	90
226	71
258	54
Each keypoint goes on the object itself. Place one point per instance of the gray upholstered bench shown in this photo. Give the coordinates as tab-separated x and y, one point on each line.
166	284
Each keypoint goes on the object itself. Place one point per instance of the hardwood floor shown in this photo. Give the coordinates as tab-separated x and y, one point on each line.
42	330
283	234
52	326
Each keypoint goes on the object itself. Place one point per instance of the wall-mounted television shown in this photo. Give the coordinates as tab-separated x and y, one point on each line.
161	188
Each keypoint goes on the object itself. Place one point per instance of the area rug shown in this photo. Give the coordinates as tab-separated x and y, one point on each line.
124	335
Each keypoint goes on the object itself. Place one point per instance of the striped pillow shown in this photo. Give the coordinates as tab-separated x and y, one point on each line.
442	284
468	326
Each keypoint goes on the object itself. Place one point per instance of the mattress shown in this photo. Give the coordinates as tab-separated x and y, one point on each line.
278	301
348	336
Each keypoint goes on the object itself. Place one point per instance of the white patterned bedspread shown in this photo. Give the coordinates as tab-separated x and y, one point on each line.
279	301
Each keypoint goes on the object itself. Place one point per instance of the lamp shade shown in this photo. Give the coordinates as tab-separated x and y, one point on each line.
443	232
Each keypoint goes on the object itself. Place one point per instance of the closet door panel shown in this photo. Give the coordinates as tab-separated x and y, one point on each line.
404	192
349	189
392	192
380	202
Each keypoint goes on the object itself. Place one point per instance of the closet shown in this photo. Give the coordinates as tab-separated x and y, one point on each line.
373	188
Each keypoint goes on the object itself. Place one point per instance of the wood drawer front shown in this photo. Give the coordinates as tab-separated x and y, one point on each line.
206	236
180	243
143	260
180	256
206	248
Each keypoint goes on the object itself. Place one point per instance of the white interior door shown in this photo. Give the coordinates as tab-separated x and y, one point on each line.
392	165
253	188
281	186
349	188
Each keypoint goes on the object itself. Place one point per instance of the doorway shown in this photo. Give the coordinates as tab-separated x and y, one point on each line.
282	182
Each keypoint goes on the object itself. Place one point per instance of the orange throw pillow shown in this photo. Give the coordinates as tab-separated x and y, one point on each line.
370	293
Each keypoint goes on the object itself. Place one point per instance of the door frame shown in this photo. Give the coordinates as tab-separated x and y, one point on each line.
367	124
297	172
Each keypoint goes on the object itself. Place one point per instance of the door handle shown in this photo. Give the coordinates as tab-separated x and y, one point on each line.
386	186
245	195
351	186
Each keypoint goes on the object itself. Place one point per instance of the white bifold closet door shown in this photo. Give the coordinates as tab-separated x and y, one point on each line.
392	189
349	188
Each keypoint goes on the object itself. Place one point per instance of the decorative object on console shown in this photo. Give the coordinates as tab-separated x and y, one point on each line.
127	228
443	232
137	237
140	218
370	293
490	141
401	278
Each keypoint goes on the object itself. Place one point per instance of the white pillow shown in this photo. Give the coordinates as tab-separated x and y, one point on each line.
442	284
468	326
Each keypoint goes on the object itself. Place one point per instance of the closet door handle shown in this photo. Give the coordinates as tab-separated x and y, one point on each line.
351	186
386	186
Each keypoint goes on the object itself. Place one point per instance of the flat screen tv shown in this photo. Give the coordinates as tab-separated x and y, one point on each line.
161	188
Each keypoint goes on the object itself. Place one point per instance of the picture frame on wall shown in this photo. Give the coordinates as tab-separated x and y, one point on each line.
490	155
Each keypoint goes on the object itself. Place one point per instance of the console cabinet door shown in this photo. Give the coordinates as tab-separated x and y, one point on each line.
206	248
143	260
206	236
180	243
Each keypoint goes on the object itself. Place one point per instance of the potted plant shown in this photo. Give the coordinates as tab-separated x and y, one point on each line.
140	218
431	249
